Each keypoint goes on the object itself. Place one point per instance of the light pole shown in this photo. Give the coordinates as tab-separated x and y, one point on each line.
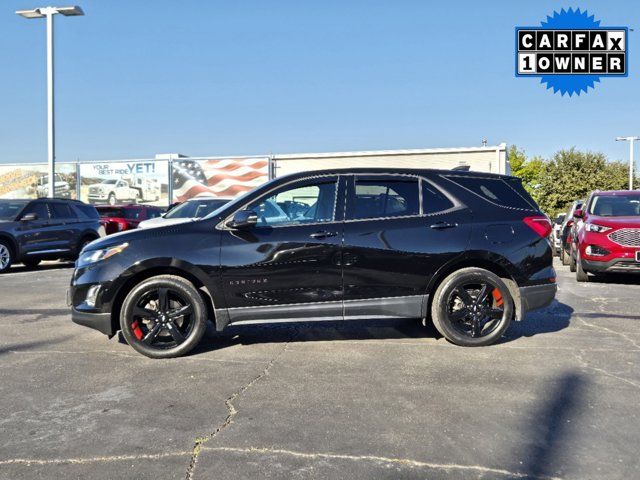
631	164
48	13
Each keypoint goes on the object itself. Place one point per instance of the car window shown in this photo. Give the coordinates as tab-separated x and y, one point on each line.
39	208
385	197
153	213
615	205
84	210
61	210
433	200
502	192
310	202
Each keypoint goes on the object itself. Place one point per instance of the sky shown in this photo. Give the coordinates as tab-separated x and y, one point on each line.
214	78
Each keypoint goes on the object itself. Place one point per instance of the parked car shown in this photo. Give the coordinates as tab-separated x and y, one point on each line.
112	192
557	230
608	239
45	229
469	250
189	210
125	217
566	236
60	186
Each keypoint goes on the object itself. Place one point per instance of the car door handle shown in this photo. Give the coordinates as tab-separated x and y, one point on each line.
323	234
443	225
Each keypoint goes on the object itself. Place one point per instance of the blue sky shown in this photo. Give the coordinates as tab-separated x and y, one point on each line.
253	77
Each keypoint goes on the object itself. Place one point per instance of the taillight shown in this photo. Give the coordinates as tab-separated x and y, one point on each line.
539	224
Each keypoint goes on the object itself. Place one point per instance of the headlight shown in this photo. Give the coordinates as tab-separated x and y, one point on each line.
93	256
592	227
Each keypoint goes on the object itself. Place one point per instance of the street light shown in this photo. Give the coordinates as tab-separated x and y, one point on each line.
48	13
631	164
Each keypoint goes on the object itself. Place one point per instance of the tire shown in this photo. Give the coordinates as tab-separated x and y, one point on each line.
572	261
564	256
112	199
581	275
151	329
31	263
84	241
492	315
6	256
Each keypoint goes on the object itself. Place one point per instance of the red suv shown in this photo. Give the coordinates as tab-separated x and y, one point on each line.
126	217
608	238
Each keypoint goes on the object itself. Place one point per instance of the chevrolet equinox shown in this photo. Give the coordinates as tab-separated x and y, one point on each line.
468	250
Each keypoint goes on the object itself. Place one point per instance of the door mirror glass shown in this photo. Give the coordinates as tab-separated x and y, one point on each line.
29	217
243	219
578	213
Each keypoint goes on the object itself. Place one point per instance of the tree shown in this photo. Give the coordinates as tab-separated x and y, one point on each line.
572	174
528	170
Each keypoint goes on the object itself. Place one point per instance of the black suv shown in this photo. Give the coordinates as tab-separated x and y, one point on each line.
468	250
45	229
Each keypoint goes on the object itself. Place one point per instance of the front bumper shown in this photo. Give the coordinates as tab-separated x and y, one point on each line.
536	296
97	320
616	265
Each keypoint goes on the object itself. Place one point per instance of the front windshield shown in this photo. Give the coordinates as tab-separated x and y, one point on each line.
10	209
109	182
196	208
615	206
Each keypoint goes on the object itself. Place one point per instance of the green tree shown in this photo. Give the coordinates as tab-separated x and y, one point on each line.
572	174
528	170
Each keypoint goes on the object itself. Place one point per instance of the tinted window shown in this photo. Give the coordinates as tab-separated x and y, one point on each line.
39	208
433	200
312	202
501	192
152	213
61	210
84	210
385	197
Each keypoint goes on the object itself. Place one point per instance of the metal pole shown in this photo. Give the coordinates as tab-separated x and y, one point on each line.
50	106
631	164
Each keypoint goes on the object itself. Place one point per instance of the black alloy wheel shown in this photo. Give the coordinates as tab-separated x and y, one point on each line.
472	307
163	317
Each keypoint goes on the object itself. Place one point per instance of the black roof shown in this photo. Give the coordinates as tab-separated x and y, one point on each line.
391	171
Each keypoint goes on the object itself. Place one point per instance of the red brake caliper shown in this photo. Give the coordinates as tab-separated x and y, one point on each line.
136	330
497	296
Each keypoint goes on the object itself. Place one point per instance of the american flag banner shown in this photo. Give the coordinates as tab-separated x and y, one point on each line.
217	177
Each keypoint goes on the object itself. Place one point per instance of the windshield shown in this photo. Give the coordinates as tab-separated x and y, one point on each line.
196	208
10	209
615	205
109	182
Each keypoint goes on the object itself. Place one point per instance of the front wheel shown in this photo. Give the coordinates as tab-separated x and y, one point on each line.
564	256
472	307
163	317
572	261
581	275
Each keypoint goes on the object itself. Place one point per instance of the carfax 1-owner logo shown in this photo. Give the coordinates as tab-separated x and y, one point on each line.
570	51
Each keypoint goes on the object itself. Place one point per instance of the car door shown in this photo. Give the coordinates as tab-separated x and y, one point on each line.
287	266
35	236
399	230
63	226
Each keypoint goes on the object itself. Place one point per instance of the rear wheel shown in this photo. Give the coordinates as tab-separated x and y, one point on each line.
163	317
6	256
581	275
472	307
31	263
564	256
572	260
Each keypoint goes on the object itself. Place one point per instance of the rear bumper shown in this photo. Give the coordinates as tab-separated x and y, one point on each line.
616	265
537	296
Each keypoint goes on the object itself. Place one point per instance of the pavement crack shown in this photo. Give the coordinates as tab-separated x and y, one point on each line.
379	459
620	334
231	409
585	364
82	461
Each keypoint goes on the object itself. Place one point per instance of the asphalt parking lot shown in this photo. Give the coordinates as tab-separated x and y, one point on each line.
558	398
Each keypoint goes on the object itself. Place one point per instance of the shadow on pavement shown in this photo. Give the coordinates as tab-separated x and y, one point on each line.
18	347
550	428
554	318
17	268
615	278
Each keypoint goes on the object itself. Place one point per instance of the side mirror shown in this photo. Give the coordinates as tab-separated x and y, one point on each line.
578	213
29	217
243	219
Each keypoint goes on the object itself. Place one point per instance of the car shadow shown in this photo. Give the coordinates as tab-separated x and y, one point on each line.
49	265
551	319
616	278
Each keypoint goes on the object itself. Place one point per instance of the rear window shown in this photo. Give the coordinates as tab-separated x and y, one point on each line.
86	211
502	192
433	200
386	197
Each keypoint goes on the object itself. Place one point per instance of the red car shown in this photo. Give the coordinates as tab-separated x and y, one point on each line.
125	217
608	237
